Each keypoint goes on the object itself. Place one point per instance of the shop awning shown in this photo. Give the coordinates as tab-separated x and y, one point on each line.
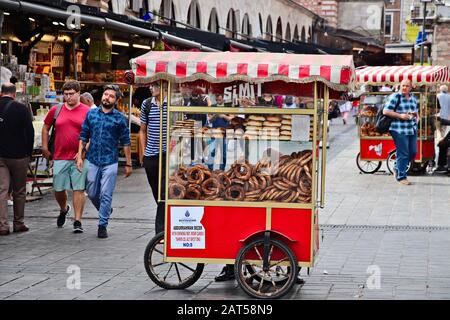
180	66
419	75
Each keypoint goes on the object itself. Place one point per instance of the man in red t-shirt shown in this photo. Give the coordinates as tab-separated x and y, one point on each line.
65	174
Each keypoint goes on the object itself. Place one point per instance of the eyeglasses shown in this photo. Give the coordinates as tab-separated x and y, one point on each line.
70	94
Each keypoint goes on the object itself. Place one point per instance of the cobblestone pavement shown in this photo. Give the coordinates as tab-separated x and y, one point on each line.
370	226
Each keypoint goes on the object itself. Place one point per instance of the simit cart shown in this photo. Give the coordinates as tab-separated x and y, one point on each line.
376	147
245	192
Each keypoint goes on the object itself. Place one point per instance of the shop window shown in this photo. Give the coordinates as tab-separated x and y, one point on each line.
303	38
388	24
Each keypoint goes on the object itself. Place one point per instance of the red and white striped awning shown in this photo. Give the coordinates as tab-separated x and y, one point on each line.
336	71
419	75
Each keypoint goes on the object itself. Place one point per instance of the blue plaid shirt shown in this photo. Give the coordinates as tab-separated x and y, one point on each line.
407	127
105	131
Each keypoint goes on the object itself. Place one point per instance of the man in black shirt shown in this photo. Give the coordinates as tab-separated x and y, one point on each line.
16	146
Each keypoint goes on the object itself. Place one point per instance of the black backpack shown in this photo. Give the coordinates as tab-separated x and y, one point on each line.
147	107
383	122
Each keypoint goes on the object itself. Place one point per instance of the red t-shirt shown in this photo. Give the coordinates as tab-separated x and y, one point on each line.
68	128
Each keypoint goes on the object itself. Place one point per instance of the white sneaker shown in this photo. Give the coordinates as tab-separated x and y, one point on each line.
10	203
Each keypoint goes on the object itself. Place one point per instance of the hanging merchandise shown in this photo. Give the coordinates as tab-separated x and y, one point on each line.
100	47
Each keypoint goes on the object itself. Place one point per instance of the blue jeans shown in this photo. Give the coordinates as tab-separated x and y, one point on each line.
214	144
101	181
406	152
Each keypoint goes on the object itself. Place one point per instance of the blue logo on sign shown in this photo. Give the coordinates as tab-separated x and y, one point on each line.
187	214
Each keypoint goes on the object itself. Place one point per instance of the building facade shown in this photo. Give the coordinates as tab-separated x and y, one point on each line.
274	20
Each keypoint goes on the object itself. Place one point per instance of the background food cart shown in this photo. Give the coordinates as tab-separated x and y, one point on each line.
259	211
376	147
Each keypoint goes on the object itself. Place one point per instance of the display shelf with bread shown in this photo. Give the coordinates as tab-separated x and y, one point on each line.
254	158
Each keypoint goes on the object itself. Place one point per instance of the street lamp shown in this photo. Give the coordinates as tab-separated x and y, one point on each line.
423	29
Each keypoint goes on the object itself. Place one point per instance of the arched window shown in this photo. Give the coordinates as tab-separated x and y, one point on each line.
269	30
246	27
309	35
279	32
193	17
287	37
166	12
261	32
303	38
296	36
231	24
213	24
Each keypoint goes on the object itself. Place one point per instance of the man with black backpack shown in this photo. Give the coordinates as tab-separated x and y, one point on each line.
66	119
402	109
149	136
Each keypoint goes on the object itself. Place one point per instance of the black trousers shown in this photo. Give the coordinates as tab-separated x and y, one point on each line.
443	147
151	165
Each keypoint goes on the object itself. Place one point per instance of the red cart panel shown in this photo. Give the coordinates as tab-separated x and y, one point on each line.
224	227
295	224
374	149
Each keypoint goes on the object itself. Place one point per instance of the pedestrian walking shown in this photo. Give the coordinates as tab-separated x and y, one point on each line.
443	102
66	119
345	107
104	129
443	145
16	147
403	128
149	136
88	100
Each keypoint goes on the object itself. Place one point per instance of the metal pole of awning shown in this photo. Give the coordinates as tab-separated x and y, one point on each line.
129	107
62	14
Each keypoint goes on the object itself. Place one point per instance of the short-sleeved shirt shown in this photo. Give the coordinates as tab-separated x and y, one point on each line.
105	132
68	127
152	121
405	127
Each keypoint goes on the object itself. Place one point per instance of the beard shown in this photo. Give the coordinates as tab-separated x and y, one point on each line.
107	105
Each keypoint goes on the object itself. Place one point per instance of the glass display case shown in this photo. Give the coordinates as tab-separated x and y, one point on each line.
241	142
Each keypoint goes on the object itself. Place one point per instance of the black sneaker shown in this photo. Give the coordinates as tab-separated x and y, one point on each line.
61	221
77	228
102	233
226	274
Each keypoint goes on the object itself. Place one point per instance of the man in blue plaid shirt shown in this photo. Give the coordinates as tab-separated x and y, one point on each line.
403	128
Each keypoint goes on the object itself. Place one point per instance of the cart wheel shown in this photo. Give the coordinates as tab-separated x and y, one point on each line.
367	166
169	275
392	160
270	284
279	278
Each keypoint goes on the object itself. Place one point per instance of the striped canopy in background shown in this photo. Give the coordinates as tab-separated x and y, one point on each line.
419	75
337	71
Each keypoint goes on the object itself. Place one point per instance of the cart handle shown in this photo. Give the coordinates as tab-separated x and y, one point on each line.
262	235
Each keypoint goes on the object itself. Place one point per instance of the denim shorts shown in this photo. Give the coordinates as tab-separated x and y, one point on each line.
67	177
